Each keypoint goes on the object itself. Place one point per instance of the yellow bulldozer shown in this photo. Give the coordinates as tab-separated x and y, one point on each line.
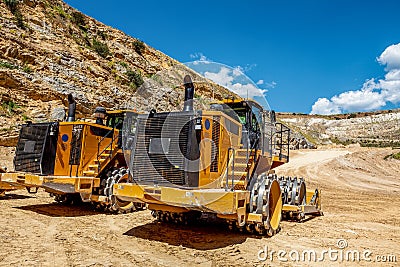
74	160
219	162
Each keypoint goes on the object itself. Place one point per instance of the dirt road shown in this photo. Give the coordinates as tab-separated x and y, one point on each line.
360	201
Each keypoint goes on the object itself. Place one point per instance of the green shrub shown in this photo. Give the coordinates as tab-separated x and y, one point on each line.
101	48
27	69
20	19
25	117
139	47
9	106
393	156
123	64
8	65
135	78
78	18
12	5
102	35
61	11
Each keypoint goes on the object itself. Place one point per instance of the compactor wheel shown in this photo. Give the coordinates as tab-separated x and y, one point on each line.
293	190
266	199
115	204
293	193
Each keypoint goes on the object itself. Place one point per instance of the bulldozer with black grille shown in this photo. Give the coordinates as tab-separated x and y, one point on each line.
214	163
74	160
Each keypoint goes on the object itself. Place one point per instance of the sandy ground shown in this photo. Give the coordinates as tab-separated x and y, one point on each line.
360	201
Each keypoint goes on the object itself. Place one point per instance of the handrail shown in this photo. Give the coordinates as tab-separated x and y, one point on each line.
110	144
280	132
232	168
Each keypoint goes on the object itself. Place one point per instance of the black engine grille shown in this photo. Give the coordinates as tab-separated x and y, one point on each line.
35	141
161	147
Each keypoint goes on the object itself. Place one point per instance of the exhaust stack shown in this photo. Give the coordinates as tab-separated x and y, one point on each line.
71	108
189	93
100	115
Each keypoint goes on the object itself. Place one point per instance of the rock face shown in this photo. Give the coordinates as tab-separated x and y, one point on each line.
298	141
55	50
368	129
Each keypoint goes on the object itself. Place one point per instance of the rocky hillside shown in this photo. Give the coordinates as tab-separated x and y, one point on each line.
48	50
368	129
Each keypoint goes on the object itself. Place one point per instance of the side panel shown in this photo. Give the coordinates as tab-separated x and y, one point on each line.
62	167
219	133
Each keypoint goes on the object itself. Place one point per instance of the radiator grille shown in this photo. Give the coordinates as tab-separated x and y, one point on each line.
76	145
216	127
161	146
33	143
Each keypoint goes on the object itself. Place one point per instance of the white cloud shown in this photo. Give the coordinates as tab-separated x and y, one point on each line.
271	84
223	77
324	106
390	57
373	95
260	82
237	71
198	56
226	77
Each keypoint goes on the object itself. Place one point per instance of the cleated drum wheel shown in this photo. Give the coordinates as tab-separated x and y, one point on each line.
293	193
266	199
293	190
120	175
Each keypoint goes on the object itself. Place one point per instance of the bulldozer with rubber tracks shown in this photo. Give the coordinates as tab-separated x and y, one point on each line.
218	162
73	160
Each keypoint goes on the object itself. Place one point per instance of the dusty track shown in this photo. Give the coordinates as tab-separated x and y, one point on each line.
360	196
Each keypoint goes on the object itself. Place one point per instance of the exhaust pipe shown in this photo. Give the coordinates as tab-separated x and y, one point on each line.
71	108
189	93
100	115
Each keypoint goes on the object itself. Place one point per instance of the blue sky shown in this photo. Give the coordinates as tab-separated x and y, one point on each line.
321	56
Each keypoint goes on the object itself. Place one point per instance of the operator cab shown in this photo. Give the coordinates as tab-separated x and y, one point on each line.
249	114
115	119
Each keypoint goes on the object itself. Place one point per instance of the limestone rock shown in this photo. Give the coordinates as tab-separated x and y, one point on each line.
58	114
8	80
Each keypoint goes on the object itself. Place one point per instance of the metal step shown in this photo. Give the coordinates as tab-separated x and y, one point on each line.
243	160
241	167
243	153
95	166
237	175
100	160
89	173
235	182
